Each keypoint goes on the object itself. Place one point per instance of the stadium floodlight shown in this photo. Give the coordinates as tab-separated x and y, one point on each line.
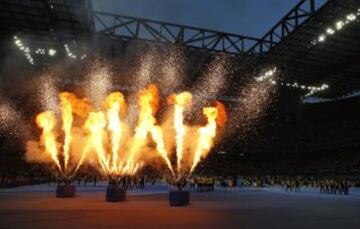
322	38
330	31
268	74
26	50
52	52
68	52
351	17
339	25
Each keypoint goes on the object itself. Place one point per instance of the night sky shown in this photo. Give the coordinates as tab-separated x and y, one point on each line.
246	17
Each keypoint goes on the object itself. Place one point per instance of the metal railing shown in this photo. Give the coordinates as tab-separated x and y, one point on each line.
126	27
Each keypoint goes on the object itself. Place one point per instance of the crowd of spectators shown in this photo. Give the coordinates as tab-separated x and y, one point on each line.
337	185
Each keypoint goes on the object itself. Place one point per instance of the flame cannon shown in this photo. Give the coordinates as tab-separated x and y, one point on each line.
215	116
65	189
115	193
179	197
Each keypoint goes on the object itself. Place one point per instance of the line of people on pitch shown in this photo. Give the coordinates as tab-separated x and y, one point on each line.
128	182
325	186
87	179
292	186
201	184
334	187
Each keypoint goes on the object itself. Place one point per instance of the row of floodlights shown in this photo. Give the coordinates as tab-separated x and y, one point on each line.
41	51
24	49
68	52
269	75
311	89
72	55
339	25
27	51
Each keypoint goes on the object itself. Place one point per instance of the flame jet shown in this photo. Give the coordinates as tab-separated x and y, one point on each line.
83	156
157	135
95	124
148	101
206	135
67	119
129	170
180	102
115	103
46	121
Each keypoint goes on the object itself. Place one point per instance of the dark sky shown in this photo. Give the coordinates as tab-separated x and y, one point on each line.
246	17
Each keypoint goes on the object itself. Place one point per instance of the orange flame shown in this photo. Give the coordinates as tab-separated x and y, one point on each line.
95	124
67	118
107	134
157	135
80	107
115	103
148	100
221	118
46	121
181	101
206	135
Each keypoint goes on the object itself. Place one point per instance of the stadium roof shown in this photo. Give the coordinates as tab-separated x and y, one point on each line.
308	45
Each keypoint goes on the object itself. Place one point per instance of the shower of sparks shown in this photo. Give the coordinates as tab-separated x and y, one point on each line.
98	84
253	101
47	92
118	132
211	84
11	121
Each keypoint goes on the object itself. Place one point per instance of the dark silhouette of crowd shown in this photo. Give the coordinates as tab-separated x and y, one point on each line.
337	185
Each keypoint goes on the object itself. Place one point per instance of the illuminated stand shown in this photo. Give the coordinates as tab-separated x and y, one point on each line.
65	189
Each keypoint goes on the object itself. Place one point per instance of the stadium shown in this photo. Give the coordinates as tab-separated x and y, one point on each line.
112	119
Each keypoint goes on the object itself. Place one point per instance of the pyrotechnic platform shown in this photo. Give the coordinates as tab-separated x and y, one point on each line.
244	208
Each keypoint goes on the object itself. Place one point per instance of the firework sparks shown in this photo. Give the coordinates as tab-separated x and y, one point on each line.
99	84
47	93
254	99
211	84
6	114
118	133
